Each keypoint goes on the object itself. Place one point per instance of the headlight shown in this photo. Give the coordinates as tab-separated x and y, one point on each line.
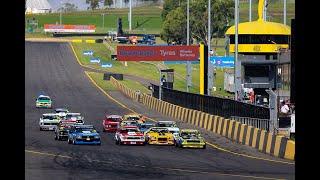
78	137
142	138
96	137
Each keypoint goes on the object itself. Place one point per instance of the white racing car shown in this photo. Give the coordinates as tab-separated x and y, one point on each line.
49	121
75	116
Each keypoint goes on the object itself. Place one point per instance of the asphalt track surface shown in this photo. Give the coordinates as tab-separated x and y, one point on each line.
52	68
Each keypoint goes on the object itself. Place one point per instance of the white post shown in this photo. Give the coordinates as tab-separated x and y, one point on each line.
130	14
237	78
103	20
250	3
209	77
60	12
189	68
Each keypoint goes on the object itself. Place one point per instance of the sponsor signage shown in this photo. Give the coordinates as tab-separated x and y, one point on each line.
88	53
158	53
95	60
222	61
106	65
69	28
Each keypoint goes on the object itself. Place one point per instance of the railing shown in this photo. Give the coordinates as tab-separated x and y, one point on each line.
255	122
212	105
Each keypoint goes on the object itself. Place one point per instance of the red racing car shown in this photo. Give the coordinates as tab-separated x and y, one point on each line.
129	135
111	123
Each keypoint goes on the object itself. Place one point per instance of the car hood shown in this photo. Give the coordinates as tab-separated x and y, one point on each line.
87	134
49	121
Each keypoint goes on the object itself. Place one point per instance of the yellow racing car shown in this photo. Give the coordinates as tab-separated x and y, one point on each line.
190	138
134	117
159	135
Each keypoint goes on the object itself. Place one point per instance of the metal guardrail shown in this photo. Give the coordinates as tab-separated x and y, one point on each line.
255	122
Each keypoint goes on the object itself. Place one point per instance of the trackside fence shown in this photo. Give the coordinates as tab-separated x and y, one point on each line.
237	131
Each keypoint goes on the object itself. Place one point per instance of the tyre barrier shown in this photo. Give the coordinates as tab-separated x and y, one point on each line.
92	41
107	76
275	145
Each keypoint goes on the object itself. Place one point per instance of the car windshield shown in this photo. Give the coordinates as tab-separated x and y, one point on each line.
128	130
114	119
145	126
159	130
133	118
69	116
189	134
44	99
49	117
61	110
129	123
166	125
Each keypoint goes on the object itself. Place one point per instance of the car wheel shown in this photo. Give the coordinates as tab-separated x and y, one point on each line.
40	129
55	137
117	142
204	147
73	142
69	142
103	130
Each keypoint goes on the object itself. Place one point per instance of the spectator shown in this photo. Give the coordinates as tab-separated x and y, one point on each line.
285	108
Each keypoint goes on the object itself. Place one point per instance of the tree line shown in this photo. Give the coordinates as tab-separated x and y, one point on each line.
174	16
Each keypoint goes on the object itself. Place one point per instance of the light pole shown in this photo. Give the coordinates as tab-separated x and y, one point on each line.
250	3
189	68
285	12
209	76
237	67
61	13
130	14
103	20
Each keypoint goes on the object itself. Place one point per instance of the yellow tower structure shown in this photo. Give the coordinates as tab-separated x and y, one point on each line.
259	37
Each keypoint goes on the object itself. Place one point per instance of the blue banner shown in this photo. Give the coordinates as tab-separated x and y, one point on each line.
222	61
88	53
95	60
106	65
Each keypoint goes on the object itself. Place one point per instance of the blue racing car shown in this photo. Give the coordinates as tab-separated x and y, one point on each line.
83	134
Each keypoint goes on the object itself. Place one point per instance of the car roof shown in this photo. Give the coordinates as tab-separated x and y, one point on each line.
50	114
44	96
166	122
189	130
69	113
114	116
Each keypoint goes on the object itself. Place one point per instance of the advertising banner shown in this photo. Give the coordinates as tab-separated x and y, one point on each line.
222	61
88	53
106	65
158	53
95	60
69	28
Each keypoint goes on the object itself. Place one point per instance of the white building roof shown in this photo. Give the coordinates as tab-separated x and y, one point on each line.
38	4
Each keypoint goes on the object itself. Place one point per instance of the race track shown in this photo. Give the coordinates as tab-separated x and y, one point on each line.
52	68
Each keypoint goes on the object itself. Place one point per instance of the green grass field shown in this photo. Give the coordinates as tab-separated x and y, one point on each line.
146	20
107	86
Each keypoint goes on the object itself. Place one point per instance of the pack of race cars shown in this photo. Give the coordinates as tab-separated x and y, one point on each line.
130	129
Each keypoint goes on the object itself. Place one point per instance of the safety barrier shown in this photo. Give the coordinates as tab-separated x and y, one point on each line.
87	41
260	139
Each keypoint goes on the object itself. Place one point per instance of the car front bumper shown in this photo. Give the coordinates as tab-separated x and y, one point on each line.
43	105
161	142
48	127
193	145
87	142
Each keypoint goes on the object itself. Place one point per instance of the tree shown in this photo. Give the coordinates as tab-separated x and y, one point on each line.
168	6
174	27
221	13
68	7
108	2
94	4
